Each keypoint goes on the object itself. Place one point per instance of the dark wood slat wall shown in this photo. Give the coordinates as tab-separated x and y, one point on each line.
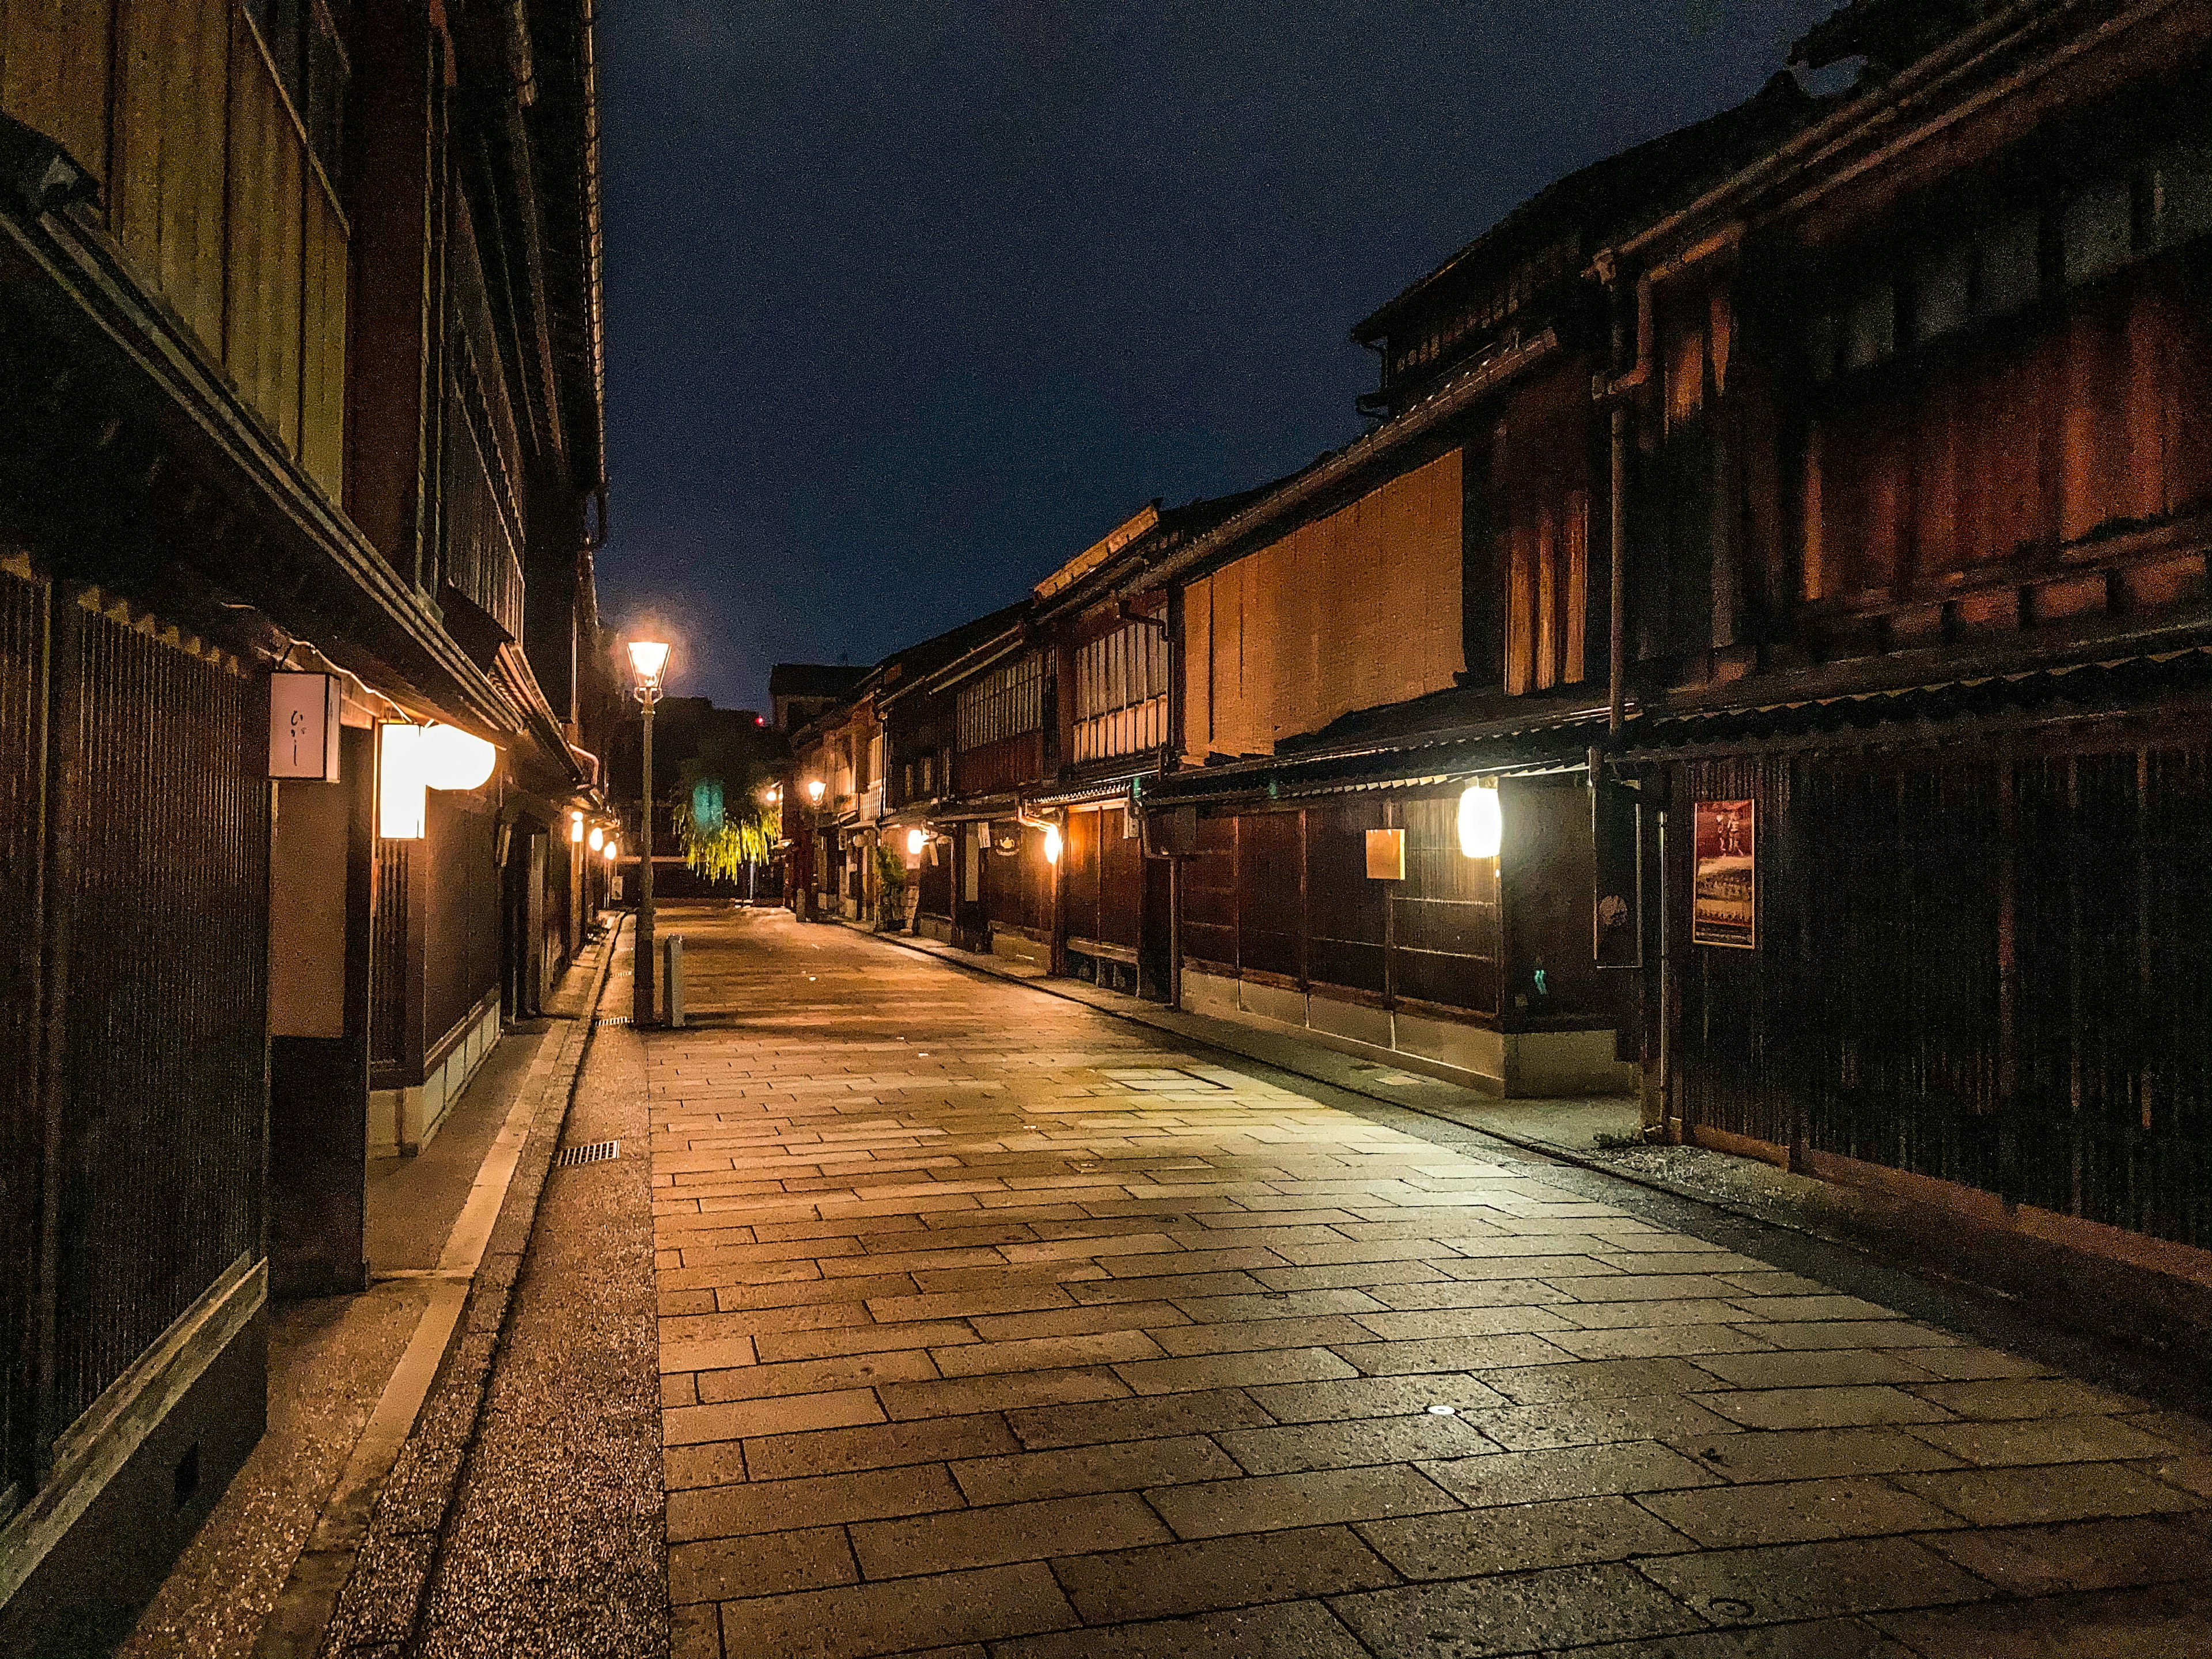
1873	1021
164	1097
22	851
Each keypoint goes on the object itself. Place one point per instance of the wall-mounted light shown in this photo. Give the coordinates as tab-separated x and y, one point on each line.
1481	822
915	840
454	759
1051	844
814	790
575	826
612	850
399	782
595	838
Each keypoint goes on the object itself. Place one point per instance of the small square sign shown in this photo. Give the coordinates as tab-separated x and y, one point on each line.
1386	856
303	727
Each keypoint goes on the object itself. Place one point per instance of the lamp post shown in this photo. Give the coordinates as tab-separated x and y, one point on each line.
647	659
819	862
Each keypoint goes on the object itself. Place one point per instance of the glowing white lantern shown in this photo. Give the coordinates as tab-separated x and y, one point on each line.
575	826
1481	823
915	840
399	782
595	838
1051	845
454	759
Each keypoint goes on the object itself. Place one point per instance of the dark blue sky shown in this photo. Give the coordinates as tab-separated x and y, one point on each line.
909	304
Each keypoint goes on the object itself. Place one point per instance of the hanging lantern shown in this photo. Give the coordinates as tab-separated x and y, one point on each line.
1481	822
612	850
1051	845
915	840
595	838
575	826
399	782
454	759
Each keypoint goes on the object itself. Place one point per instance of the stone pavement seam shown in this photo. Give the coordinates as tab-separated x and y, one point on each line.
379	1606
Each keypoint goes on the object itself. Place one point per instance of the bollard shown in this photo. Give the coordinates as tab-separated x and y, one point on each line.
671	977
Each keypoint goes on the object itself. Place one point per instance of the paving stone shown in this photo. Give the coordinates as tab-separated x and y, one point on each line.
960	1395
695	1632
1118	1466
1597	1379
1465	1353
1854	1333
1328	1445
690	1424
1078	1321
855	1338
1270	1503
1542	1611
1149	1417
2079	1555
1220	1572
1799	1368
1436	1323
1966	1363
1795	1511
989	1604
1199	1372
2043	1440
1826	1639
1289	1630
1276	1304
1999	1399
1779	1581
1532	1477
1822	1407
887	1445
815	1376
1651	1342
1816	1454
1046	1352
719	1569
1012	1532
823	1500
2167	1621
1374	1396
1252	1335
1593	1422
2021	1496
1573	1532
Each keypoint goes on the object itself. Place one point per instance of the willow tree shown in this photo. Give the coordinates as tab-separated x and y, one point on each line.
720	810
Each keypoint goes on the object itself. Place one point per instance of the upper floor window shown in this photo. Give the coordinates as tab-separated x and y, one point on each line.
1122	692
1005	702
302	40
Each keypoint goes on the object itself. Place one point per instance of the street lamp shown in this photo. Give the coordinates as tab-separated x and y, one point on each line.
648	660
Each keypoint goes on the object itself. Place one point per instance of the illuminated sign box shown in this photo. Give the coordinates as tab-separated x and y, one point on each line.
303	727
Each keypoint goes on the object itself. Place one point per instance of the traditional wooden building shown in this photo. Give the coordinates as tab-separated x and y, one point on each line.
1917	408
300	474
1393	665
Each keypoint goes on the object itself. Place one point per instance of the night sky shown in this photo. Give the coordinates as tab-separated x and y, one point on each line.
909	304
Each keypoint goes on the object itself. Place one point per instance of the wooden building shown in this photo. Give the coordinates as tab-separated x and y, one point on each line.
300	318
1407	641
1918	410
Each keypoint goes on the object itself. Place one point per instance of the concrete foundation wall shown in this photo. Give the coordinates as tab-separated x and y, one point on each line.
1515	1064
403	1121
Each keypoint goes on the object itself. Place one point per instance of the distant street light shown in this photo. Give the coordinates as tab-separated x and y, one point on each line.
648	659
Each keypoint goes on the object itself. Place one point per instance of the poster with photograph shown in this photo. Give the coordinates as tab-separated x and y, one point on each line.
1724	898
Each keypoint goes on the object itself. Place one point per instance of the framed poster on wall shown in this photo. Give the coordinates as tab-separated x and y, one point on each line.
1724	896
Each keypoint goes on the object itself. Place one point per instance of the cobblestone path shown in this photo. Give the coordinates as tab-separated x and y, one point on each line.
992	1325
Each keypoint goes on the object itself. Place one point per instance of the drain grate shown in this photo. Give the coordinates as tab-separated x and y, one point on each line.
612	1019
595	1152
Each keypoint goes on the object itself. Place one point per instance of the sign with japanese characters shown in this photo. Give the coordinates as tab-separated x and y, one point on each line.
1724	896
303	727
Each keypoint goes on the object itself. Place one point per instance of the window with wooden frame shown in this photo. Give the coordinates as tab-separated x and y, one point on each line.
1547	597
1122	692
1005	702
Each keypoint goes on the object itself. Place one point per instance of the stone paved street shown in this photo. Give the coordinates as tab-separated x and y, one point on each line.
994	1325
